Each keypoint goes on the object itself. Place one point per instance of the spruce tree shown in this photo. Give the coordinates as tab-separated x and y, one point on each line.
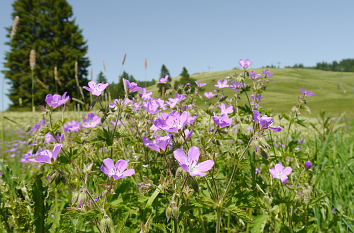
181	84
163	73
47	27
117	90
101	78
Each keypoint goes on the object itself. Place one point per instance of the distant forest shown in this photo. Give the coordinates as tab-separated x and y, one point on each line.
345	65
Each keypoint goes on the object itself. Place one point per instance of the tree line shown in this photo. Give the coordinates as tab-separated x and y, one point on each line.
345	65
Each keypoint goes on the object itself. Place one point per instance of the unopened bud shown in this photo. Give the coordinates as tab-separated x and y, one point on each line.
175	211
168	213
107	224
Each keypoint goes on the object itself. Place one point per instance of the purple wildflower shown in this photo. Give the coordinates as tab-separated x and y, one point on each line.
174	122
257	171
72	126
92	121
253	75
245	63
224	109
174	101
48	138
222	84
308	164
237	86
188	134
36	127
117	123
267	73
151	106
264	122
164	80
144	94
160	144
199	84
116	171
132	86
209	94
256	100
306	93
28	157
56	100
96	198
47	156
300	141
222	121
96	89
190	164
281	173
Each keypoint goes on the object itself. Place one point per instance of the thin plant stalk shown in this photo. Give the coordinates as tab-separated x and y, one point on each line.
33	108
218	219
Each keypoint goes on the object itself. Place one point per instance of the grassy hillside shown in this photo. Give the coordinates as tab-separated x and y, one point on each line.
334	91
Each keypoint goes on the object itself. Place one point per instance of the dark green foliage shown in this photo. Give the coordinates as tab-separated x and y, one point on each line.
345	65
164	71
48	28
117	90
181	84
41	208
101	78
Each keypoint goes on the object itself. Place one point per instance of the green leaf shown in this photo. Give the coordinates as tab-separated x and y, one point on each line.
39	194
259	223
153	197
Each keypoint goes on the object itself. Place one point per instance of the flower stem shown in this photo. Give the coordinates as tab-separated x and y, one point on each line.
33	109
218	219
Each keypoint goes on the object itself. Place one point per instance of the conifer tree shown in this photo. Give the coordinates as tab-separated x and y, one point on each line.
46	27
101	78
163	73
116	90
182	83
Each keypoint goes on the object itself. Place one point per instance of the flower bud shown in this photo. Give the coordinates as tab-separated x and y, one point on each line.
107	224
175	211
168	213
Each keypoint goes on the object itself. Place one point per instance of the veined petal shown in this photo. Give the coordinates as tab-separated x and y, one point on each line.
193	155
180	156
108	163
185	167
104	170
272	172
43	159
284	179
92	84
121	165
279	168
276	129
205	166
197	174
128	172
87	88
56	150
256	116
287	171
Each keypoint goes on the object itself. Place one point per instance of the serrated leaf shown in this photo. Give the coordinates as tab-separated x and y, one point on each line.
239	213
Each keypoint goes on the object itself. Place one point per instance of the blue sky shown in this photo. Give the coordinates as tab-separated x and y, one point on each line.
206	35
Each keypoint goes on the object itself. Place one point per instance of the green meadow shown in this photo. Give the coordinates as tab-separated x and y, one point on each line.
334	91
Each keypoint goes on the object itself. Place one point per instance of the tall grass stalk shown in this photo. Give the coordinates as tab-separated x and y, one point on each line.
32	61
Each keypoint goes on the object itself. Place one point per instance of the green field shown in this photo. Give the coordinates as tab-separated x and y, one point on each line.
334	91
